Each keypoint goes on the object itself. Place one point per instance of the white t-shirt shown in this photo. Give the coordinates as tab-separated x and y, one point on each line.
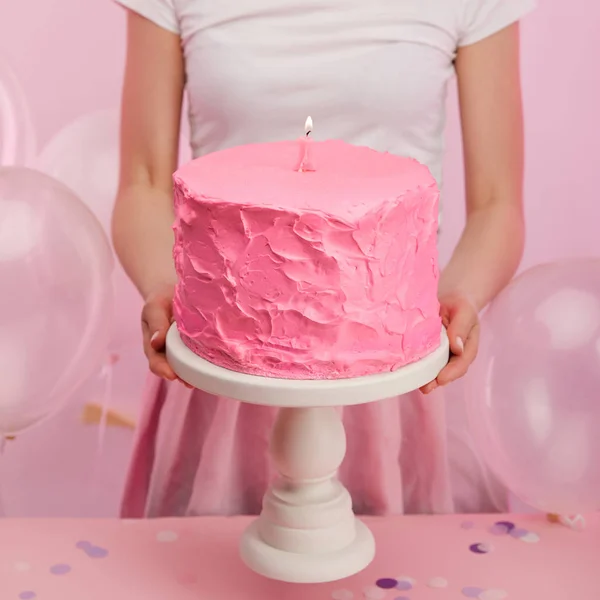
370	72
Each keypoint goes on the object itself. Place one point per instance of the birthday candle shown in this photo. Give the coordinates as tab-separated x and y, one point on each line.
305	163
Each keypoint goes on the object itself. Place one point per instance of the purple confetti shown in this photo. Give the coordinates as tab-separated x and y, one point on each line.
27	595
91	550
508	525
96	552
472	592
480	548
499	529
402	598
83	545
60	569
519	533
467	525
386	583
404	586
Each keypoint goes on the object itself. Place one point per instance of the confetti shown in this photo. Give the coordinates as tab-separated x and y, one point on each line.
386	583
83	545
91	550
467	525
166	536
472	592
96	552
493	595
437	582
402	598
342	595
499	529
530	538
518	532
508	525
27	595
403	585
22	567
576	522
374	593
60	569
480	548
407	579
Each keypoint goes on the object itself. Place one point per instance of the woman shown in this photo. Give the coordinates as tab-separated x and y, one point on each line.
371	73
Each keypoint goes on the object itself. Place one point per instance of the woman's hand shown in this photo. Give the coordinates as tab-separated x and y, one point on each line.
461	320
491	245
157	316
143	213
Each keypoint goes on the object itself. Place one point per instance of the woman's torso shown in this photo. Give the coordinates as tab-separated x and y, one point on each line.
370	72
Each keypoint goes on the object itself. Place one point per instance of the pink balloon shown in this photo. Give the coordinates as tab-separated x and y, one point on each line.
534	390
56	300
17	139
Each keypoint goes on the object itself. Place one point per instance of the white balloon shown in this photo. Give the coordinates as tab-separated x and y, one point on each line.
17	138
85	156
19	229
56	299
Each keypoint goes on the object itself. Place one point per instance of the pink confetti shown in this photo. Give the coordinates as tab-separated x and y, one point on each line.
372	592
437	582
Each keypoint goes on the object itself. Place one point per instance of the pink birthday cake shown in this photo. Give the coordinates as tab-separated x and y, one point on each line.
325	274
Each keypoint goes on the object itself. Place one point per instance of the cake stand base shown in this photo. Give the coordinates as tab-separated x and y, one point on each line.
307	532
307	568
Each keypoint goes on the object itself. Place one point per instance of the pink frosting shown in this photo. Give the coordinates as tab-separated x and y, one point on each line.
324	274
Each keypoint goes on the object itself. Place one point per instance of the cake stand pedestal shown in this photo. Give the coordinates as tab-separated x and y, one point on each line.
307	532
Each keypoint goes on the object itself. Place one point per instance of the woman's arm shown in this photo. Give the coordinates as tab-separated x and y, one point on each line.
143	213
491	245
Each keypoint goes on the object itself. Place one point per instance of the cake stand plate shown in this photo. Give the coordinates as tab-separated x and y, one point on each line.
269	391
307	532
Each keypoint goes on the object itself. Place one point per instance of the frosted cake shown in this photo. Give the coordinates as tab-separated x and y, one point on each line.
325	274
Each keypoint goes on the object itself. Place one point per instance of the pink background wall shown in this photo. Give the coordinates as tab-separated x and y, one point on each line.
68	55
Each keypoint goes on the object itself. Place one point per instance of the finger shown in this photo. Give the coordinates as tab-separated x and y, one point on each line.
157	360
159	366
459	329
458	365
187	385
427	389
445	316
157	317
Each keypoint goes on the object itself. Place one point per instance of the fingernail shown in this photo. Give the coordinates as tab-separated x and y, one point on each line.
460	344
154	337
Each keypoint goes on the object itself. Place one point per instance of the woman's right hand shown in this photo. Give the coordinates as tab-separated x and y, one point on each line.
157	316
143	213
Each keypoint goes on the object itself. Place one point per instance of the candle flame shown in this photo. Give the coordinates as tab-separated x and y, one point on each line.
308	126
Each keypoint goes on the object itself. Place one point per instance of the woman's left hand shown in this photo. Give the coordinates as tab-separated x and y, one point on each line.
461	320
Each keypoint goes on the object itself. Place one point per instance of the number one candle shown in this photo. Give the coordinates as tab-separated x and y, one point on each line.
305	163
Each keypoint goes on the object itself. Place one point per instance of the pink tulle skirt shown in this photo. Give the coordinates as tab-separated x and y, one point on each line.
198	454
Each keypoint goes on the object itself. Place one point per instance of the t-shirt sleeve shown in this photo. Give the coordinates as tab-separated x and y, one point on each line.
161	12
482	18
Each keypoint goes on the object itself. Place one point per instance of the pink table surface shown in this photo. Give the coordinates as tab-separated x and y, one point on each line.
191	559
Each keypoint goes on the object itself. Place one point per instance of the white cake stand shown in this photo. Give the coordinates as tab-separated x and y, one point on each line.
307	532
